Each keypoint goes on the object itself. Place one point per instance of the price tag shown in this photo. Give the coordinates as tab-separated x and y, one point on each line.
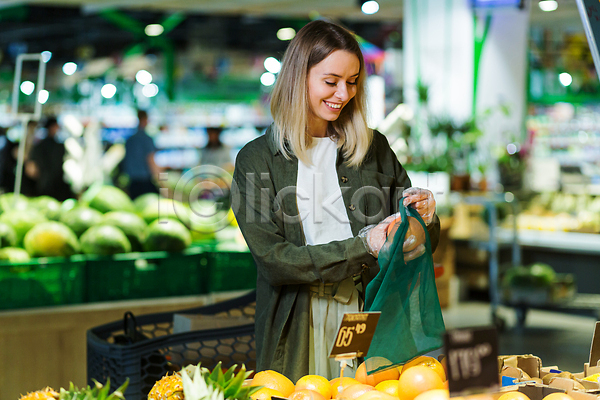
355	334
472	359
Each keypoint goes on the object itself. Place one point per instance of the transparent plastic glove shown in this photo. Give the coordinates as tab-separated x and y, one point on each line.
374	236
414	240
421	200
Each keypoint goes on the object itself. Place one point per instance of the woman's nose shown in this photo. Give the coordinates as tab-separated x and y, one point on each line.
342	92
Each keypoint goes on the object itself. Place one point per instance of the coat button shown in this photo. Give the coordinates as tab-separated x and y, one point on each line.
352	207
344	179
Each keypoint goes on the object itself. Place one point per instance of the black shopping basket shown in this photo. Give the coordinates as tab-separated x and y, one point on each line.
155	350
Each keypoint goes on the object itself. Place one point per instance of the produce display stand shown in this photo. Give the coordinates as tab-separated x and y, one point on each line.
80	279
160	350
493	245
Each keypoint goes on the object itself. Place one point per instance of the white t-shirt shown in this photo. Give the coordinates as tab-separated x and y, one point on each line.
319	197
324	219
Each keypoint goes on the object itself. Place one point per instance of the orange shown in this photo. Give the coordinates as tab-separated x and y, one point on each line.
435	394
306	394
339	384
376	395
273	380
514	395
558	396
316	383
391	387
418	379
353	392
427	361
374	379
265	394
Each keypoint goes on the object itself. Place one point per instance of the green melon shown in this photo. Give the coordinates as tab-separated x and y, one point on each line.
51	239
80	219
105	198
167	235
104	240
8	235
131	224
142	201
14	254
47	205
166	208
22	221
8	201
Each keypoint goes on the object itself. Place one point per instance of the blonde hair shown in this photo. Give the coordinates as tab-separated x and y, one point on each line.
290	103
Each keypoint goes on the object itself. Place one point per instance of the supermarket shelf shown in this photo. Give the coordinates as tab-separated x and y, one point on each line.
557	241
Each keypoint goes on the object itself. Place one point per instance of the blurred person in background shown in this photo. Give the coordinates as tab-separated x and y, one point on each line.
316	247
215	152
8	163
45	164
139	164
28	185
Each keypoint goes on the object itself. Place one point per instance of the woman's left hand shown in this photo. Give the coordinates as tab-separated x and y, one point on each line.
421	200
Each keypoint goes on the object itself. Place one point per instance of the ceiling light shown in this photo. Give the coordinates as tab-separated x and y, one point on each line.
46	56
565	79
27	87
369	7
143	77
154	30
286	33
108	90
43	96
548	5
272	65
267	79
69	68
150	90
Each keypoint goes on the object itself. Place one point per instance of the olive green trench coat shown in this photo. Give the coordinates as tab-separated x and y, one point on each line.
264	203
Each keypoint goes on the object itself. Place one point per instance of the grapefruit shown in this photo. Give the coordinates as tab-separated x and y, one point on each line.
514	395
315	382
376	395
51	239
306	394
435	394
558	396
429	362
273	380
353	392
265	394
391	387
339	384
418	379
373	379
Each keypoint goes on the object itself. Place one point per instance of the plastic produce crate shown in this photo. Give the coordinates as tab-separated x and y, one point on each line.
145	362
230	270
146	275
42	282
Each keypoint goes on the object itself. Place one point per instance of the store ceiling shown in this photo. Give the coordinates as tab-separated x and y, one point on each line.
390	10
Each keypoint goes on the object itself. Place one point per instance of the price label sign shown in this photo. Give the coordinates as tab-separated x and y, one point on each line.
472	359
355	334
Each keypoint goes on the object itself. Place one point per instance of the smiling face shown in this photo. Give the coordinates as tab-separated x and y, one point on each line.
331	85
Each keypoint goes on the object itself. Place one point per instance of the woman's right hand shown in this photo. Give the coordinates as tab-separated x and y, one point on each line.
374	236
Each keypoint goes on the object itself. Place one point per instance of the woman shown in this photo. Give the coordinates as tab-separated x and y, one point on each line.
303	192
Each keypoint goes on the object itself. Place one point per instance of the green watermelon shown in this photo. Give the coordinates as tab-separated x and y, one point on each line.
22	221
105	198
51	239
167	235
166	208
142	201
104	240
80	219
14	254
8	235
47	205
9	202
131	224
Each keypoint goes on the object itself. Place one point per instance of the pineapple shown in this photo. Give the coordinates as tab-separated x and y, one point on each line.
44	394
196	383
169	387
98	392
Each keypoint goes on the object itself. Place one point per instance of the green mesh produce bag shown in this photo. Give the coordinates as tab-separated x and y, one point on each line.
411	321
